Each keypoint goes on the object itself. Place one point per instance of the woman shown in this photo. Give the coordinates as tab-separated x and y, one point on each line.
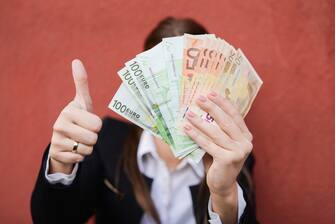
125	175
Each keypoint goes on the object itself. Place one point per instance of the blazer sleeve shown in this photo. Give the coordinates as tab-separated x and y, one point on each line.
244	180
74	203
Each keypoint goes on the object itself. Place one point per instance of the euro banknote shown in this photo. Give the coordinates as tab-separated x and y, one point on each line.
161	84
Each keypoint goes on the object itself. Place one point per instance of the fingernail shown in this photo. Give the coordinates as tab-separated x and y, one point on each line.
187	127
201	98
190	114
213	94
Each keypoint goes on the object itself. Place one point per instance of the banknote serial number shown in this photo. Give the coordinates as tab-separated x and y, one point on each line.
125	110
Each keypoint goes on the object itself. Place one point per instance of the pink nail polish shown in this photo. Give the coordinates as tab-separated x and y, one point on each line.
187	127
201	98
190	114
213	94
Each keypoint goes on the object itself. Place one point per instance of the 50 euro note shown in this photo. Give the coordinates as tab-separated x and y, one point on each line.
125	104
240	84
202	60
174	52
173	57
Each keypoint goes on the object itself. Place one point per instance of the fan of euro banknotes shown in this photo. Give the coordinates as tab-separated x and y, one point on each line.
161	84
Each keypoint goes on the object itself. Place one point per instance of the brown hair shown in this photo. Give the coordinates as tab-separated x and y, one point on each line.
166	28
170	27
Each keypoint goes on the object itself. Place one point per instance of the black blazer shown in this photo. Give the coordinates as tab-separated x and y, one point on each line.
89	193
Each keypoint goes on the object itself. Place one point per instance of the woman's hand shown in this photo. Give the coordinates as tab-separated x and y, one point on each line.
228	143
76	123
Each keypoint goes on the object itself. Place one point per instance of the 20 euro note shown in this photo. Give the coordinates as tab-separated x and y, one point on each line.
124	104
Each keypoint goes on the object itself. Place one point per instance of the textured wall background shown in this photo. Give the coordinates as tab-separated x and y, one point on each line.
290	42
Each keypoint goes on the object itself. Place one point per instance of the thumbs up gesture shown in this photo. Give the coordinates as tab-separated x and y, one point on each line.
75	130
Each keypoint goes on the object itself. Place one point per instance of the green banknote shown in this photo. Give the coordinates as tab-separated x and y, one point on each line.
125	104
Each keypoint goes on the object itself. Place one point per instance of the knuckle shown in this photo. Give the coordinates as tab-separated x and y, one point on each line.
227	141
97	124
58	125
217	137
79	159
67	111
206	143
226	122
87	151
193	135
92	139
211	108
53	140
52	153
248	146
240	155
251	137
236	116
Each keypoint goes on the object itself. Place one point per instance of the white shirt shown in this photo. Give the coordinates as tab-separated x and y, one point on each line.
170	190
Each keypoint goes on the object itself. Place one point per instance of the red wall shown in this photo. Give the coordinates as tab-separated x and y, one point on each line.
290	42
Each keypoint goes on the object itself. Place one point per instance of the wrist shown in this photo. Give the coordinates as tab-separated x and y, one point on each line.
59	167
225	202
224	192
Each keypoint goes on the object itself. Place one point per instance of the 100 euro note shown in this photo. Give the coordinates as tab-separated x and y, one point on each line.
146	82
152	63
125	104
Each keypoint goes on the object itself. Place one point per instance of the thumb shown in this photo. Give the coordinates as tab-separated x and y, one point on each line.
82	97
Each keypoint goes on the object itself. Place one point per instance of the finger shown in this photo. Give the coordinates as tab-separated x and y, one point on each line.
84	150
214	132
76	133
66	145
67	157
204	143
232	111
80	80
224	121
82	118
